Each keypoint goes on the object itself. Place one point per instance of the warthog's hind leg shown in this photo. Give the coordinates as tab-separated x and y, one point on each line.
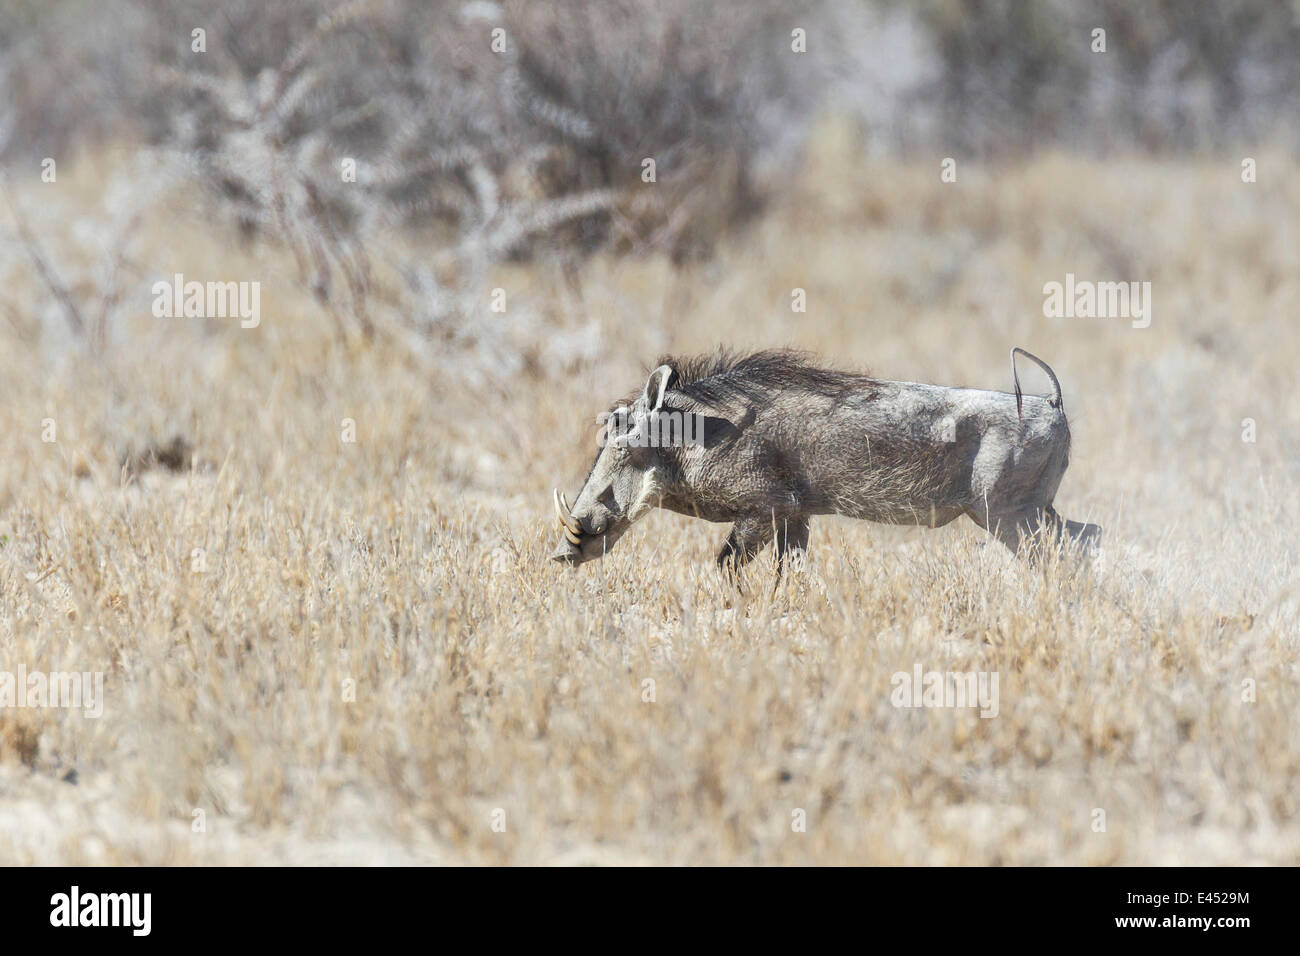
1087	536
1013	527
1028	530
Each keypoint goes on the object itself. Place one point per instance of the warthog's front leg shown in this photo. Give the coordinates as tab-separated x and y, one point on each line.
751	535
791	539
748	537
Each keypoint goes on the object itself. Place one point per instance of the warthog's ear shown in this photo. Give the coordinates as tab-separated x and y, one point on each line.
655	386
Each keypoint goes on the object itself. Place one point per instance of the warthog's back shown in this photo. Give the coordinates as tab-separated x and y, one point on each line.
900	452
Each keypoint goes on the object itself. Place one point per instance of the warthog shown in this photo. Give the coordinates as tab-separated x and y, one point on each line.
784	439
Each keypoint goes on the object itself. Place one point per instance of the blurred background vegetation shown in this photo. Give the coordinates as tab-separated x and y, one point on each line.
469	159
492	152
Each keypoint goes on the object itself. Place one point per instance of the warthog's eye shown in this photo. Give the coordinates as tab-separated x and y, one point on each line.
626	430
618	425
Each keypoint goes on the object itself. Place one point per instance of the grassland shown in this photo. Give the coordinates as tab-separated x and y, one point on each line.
229	589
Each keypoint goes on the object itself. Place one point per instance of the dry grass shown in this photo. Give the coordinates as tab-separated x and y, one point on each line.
412	561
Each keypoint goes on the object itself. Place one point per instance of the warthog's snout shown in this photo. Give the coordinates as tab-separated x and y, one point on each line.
585	538
567	552
568	523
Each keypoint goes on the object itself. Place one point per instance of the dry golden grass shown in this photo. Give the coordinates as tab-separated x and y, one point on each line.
412	561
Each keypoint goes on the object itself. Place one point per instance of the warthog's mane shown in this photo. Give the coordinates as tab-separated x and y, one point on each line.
725	377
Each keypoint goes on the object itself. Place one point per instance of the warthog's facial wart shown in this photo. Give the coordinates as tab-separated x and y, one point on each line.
622	485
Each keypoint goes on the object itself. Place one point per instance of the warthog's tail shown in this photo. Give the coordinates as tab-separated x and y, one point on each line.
1056	401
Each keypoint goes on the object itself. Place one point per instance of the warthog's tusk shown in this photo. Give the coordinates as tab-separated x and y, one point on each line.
571	537
567	521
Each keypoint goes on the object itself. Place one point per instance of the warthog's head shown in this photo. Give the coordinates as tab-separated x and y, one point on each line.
626	480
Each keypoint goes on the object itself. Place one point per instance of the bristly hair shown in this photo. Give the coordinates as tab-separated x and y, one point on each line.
727	376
